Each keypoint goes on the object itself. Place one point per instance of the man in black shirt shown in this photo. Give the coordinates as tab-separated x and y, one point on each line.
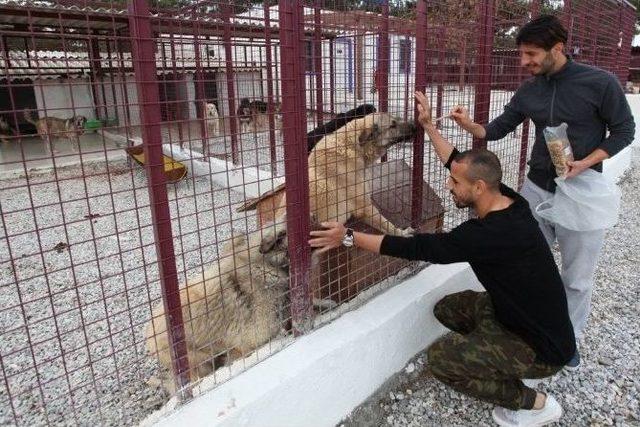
519	328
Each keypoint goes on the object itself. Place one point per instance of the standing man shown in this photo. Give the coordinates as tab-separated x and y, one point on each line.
519	328
592	102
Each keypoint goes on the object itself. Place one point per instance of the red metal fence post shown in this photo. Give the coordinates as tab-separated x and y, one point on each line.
418	142
381	80
332	83
201	98
484	54
296	161
317	61
441	73
567	17
231	91
524	140
143	55
270	100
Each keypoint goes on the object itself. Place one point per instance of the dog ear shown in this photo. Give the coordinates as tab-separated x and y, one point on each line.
369	134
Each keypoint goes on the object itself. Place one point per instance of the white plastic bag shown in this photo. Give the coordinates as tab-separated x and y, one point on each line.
585	202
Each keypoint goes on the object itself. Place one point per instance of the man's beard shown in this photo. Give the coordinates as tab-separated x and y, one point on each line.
461	204
547	64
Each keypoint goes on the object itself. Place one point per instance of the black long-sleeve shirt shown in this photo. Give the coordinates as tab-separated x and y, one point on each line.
590	100
512	260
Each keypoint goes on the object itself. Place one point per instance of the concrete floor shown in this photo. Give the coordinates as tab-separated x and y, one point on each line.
28	153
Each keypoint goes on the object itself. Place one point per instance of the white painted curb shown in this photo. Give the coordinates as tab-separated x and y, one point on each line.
323	376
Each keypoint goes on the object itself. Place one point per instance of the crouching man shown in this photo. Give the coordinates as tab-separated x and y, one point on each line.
520	327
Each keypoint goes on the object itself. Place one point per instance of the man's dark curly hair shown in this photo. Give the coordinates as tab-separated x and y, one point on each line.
544	32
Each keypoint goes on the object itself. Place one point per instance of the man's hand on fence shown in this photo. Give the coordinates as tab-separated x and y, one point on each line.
329	238
424	109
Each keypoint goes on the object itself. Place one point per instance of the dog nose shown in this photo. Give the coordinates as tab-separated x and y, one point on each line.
413	129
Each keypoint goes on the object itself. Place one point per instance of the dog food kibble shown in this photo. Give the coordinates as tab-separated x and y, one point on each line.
558	156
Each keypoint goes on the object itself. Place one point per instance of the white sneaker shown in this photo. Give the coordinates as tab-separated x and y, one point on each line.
532	382
551	412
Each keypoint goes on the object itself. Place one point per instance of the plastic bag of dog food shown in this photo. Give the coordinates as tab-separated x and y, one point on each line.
559	147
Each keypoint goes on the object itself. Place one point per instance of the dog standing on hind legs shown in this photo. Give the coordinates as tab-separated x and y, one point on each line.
52	128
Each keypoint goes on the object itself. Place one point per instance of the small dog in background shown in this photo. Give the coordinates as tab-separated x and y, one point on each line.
52	128
212	117
6	131
252	113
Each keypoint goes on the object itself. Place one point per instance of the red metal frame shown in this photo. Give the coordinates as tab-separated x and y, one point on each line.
296	172
143	48
485	53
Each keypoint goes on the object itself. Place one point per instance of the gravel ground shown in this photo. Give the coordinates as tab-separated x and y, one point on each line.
606	388
83	266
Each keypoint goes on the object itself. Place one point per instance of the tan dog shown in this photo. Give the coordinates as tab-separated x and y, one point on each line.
235	307
337	185
52	128
212	118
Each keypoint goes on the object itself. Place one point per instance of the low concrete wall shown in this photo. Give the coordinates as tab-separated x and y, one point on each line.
323	376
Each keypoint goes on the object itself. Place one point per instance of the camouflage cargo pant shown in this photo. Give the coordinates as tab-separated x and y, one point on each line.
483	359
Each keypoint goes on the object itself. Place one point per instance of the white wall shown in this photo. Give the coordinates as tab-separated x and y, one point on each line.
64	98
120	84
248	84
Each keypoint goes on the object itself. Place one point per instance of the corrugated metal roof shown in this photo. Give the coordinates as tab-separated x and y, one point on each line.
52	64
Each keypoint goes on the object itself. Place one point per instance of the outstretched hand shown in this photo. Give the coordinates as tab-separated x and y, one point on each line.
329	238
424	109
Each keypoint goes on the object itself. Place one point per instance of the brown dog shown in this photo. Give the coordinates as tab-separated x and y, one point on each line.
231	309
253	114
52	128
337	185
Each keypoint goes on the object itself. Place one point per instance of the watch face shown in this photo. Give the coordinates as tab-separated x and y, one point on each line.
347	240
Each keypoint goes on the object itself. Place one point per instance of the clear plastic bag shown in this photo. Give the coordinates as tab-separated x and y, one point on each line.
585	202
559	147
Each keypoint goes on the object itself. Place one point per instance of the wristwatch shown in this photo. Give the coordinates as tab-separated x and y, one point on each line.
347	240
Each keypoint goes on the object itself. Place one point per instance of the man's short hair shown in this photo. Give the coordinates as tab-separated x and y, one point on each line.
544	32
482	164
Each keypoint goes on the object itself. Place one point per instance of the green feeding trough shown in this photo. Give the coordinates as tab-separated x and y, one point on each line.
92	125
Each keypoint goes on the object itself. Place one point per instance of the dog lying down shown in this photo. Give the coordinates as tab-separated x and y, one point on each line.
233	308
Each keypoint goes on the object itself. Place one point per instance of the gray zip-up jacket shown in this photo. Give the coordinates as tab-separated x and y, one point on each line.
589	99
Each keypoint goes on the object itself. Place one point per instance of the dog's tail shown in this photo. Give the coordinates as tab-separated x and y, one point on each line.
28	117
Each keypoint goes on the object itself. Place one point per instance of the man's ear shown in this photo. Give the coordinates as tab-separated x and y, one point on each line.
369	134
558	48
480	186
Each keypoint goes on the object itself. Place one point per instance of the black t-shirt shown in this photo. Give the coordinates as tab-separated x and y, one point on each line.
512	260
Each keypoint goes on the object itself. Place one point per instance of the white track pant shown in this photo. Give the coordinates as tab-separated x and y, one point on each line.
579	251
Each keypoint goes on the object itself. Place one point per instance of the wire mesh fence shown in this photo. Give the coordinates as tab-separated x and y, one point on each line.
162	163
